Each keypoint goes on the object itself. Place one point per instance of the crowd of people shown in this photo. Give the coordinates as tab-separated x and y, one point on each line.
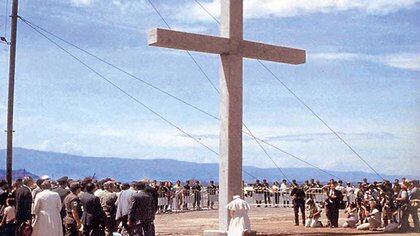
72	208
102	207
382	206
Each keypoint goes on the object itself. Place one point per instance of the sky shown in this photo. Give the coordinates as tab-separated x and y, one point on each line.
361	76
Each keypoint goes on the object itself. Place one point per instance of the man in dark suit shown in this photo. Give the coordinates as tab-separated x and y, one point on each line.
333	201
298	198
93	217
23	201
154	193
4	194
141	213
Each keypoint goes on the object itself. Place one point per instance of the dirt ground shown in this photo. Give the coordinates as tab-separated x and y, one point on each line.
266	221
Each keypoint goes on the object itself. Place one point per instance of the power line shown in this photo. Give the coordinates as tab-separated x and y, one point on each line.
296	157
207	11
121	90
125	92
118	68
266	153
165	92
320	119
304	104
188	52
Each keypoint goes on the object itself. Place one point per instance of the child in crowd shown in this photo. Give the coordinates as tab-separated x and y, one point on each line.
8	224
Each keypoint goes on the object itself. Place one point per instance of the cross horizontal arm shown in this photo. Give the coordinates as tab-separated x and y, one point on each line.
274	53
219	45
188	41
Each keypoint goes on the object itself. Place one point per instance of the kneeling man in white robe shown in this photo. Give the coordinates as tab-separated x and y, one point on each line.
239	223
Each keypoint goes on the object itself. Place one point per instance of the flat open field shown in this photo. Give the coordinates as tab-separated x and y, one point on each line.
266	221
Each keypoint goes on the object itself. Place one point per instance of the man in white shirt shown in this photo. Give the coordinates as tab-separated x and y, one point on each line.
123	205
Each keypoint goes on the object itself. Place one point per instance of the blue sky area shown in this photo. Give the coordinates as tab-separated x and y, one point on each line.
361	76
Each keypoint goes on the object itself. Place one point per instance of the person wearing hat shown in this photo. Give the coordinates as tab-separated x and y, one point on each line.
47	207
73	208
239	224
108	199
196	189
62	191
212	191
259	192
266	190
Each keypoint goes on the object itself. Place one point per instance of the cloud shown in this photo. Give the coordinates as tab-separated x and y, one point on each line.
409	61
64	147
406	61
82	2
254	9
309	137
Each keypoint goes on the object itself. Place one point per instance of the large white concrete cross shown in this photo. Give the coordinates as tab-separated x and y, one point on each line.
232	48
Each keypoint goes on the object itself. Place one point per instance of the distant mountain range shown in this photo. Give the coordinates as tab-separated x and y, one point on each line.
17	174
59	164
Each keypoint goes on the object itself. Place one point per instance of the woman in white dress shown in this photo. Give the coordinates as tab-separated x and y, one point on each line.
47	209
239	224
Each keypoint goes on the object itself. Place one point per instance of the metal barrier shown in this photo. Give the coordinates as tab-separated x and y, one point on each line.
183	200
268	198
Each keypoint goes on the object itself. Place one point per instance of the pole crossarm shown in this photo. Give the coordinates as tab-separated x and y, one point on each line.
220	45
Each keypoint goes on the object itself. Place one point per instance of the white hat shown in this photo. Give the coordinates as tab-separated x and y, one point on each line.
45	177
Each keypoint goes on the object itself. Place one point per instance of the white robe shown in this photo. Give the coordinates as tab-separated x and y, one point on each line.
47	208
240	220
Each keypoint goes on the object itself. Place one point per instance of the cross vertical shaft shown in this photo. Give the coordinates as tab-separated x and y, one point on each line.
231	89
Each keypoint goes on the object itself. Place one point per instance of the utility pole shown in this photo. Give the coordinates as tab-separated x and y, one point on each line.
10	101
